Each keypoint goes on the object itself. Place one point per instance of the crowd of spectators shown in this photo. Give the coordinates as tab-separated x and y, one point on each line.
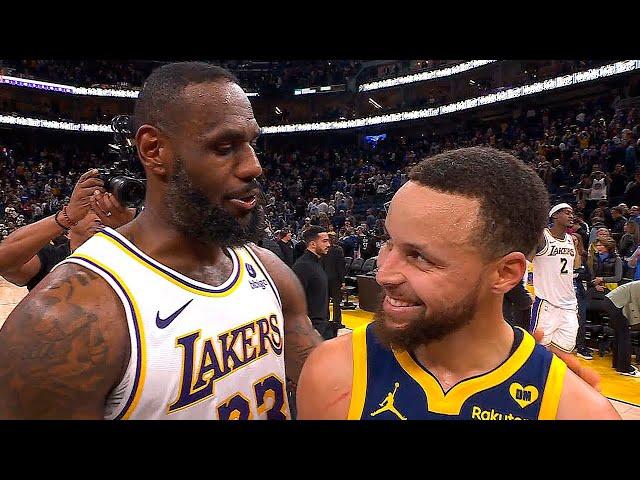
264	77
344	188
81	73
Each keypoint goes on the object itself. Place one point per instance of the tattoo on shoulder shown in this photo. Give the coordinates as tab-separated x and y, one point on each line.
54	358
300	340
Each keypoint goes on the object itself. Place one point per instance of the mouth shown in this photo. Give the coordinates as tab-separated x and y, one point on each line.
401	312
245	201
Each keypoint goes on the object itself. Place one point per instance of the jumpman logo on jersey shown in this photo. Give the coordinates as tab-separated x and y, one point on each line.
387	404
164	322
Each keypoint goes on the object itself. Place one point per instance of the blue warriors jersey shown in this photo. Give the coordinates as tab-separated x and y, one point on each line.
392	385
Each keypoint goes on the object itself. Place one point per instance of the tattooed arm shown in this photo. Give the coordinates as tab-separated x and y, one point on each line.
63	348
300	338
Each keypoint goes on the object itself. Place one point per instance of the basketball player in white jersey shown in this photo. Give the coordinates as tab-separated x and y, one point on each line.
176	315
554	310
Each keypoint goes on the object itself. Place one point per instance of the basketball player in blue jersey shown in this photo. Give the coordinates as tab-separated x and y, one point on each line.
439	347
178	314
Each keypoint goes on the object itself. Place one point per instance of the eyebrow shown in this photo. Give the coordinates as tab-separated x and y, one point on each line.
420	248
230	133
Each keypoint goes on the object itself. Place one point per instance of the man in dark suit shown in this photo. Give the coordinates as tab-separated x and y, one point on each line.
334	265
286	245
314	279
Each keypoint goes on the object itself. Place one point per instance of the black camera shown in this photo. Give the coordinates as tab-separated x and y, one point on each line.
127	186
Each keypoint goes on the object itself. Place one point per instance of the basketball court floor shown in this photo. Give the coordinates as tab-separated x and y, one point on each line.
623	392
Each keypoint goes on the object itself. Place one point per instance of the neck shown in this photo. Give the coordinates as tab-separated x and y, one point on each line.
313	251
558	231
473	350
154	235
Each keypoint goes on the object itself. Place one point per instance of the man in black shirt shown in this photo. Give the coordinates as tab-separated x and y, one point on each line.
617	228
335	268
286	246
314	279
618	184
632	193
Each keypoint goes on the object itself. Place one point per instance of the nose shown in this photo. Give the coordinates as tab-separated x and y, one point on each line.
249	166
389	267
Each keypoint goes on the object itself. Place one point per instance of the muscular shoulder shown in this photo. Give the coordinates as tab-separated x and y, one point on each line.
324	389
580	401
286	281
63	348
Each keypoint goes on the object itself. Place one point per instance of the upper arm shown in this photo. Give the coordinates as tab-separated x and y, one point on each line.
63	348
324	390
25	273
300	338
542	243
580	401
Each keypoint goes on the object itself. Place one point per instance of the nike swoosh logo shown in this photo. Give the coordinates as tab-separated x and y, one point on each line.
165	322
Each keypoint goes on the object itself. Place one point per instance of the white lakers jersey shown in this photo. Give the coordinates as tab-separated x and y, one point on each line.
197	351
598	190
553	272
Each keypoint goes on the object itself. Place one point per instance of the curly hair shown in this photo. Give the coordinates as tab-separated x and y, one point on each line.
514	202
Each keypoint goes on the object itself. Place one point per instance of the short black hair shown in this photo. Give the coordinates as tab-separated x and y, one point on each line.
620	210
311	233
514	202
164	87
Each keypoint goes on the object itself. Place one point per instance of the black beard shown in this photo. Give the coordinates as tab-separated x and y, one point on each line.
432	327
192	213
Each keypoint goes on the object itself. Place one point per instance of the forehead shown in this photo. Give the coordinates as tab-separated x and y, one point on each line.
418	214
567	210
213	105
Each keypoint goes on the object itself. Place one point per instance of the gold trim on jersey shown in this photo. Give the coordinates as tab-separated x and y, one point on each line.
138	319
451	402
562	349
536	314
264	408
546	246
552	390
149	266
235	414
359	382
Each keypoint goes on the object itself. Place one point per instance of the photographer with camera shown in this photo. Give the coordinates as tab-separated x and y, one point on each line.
28	254
114	310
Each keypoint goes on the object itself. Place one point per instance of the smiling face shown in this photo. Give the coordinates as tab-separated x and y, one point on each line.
431	268
211	192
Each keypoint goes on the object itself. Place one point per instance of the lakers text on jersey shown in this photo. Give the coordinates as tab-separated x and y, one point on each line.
553	272
197	351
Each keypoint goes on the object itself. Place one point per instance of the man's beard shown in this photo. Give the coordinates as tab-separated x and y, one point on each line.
193	214
430	327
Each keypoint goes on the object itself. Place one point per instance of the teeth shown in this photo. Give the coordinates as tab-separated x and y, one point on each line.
398	303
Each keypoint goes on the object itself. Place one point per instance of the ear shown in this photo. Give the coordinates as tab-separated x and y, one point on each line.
509	271
152	147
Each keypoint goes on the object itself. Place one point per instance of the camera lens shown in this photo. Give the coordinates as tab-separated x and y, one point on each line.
128	191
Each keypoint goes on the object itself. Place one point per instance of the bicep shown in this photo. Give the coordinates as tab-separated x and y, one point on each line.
25	273
300	336
580	401
324	390
62	350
